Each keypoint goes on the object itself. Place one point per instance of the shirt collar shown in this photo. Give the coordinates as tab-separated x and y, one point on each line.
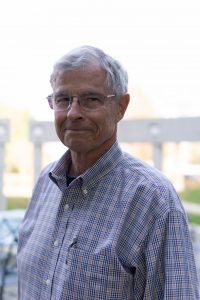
103	165
100	168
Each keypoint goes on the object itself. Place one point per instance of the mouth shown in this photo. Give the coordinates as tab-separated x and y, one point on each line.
75	129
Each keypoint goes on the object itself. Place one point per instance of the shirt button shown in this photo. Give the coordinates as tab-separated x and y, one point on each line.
48	282
55	243
85	191
66	207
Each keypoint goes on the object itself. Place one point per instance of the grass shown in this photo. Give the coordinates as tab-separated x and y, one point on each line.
17	202
191	195
194	219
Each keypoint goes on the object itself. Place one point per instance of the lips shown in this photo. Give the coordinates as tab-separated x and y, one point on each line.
76	129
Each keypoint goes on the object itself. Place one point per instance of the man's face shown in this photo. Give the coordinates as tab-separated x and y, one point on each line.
86	132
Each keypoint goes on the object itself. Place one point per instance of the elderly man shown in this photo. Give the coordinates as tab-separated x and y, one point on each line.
101	224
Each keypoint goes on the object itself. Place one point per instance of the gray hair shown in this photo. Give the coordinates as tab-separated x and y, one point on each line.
116	75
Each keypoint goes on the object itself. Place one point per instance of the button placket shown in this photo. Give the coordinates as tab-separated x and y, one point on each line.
61	231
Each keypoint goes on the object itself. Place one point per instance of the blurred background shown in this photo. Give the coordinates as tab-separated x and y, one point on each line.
157	42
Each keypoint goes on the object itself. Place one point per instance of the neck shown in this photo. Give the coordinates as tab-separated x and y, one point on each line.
78	164
81	161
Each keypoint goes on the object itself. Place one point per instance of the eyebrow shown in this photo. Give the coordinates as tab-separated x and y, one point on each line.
59	94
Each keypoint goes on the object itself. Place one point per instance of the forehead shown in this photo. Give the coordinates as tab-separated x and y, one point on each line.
86	77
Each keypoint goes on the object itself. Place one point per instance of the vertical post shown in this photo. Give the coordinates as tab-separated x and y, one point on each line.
37	159
4	136
157	155
37	136
2	198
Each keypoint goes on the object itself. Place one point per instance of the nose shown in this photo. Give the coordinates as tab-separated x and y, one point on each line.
74	111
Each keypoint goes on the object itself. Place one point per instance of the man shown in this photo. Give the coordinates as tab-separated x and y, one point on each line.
101	224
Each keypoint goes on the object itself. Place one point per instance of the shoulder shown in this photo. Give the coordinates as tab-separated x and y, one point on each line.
140	168
150	188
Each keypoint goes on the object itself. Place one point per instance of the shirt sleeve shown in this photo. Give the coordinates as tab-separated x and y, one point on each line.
170	265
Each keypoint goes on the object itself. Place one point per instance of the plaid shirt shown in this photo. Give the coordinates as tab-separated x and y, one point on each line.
118	231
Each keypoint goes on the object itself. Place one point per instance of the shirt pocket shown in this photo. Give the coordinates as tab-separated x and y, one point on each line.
95	276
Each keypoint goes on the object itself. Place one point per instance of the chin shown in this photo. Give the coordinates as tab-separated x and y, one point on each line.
76	146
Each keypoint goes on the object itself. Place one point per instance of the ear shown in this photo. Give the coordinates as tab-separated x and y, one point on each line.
122	106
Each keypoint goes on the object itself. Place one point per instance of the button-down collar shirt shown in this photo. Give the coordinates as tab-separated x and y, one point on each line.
116	232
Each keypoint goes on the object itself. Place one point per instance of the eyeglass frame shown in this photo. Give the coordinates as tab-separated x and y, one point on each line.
50	101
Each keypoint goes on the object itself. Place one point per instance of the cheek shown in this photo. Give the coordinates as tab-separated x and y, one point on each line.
58	120
59	117
107	126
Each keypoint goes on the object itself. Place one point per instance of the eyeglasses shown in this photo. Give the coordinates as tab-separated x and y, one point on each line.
88	102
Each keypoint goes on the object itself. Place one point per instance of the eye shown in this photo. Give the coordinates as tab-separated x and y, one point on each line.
62	100
93	98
